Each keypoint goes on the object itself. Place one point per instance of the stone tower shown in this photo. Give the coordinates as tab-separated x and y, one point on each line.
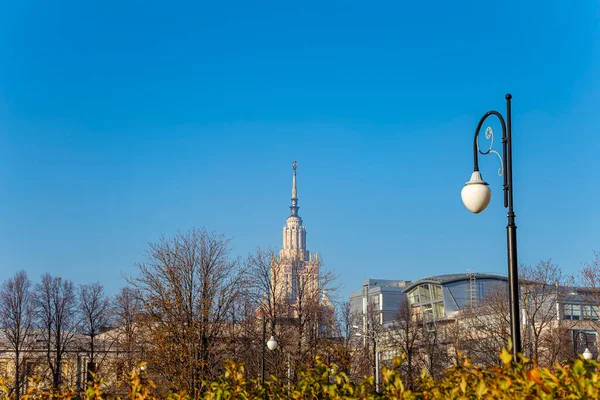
296	273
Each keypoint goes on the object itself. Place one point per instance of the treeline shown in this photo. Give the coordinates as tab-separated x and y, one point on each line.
191	306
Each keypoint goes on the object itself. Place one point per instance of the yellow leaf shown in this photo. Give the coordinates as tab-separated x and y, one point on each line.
506	357
463	385
481	389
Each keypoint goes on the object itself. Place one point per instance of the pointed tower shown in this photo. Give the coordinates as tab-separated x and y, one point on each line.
295	274
297	270
294	233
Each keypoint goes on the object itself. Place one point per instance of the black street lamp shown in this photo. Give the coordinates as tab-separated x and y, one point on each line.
587	354
271	344
476	195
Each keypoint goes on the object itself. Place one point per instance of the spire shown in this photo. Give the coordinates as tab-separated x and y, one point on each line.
294	207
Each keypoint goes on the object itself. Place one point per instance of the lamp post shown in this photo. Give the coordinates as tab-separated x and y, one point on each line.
432	347
376	355
476	195
271	344
587	354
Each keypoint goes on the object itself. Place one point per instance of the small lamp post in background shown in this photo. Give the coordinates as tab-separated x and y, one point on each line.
271	344
587	354
432	346
376	354
476	195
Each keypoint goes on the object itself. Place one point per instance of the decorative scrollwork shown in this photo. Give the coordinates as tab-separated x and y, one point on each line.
489	134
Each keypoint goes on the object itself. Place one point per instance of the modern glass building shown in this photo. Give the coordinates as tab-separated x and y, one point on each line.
439	297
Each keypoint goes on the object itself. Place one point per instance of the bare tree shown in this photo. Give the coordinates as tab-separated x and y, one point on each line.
244	336
56	308
16	319
290	295
553	340
95	311
266	283
590	279
483	329
269	296
343	350
126	308
312	281
187	285
407	337
542	286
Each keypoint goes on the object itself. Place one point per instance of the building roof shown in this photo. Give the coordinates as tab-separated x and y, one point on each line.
449	278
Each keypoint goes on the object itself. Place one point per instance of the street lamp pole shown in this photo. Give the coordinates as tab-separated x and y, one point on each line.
376	350
432	346
271	344
375	354
476	195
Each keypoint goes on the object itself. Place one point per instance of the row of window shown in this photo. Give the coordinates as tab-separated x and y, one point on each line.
580	311
431	311
425	293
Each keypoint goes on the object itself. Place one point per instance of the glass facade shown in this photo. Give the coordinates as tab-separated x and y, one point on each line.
428	299
425	293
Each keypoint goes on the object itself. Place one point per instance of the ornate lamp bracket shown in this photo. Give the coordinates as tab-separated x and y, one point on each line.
489	134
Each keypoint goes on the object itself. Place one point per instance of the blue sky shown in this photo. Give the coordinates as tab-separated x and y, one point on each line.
123	121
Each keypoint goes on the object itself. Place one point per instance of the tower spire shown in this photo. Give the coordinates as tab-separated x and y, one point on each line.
294	207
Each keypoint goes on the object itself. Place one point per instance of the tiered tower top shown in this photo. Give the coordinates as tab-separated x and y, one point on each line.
294	233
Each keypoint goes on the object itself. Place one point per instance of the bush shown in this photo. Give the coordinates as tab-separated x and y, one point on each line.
523	380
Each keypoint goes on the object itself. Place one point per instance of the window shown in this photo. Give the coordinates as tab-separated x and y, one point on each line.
571	311
424	292
576	311
595	313
437	292
586	312
438	309
413	296
375	302
427	312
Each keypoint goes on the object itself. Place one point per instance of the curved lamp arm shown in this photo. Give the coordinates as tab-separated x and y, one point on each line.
489	134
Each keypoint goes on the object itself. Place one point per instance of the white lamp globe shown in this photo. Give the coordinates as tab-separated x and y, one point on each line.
272	343
587	354
476	194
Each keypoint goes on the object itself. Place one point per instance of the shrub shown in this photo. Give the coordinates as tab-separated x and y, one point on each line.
579	379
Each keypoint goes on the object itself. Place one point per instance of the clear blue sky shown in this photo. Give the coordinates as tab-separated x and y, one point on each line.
122	121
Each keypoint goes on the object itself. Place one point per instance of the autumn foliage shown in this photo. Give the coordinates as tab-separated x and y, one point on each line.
579	379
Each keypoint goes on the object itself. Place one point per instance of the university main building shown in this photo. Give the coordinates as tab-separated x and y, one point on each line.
295	275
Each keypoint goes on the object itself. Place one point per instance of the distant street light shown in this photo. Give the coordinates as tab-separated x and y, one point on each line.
587	354
376	354
271	344
476	195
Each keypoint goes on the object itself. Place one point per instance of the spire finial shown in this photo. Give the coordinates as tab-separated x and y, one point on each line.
294	207
294	193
